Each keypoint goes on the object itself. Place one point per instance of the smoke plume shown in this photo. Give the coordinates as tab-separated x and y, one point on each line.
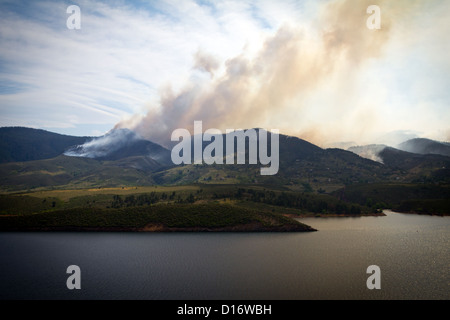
104	145
276	87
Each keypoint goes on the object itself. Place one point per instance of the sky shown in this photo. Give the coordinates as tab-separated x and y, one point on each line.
311	69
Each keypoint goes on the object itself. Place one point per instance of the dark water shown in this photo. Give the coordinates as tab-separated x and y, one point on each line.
412	252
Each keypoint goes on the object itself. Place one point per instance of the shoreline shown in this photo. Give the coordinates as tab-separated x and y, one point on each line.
164	229
332	215
422	213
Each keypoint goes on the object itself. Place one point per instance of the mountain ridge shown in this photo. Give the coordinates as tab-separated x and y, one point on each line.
425	146
303	166
26	144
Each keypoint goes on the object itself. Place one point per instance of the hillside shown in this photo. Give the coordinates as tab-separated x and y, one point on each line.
121	158
120	144
71	172
168	218
123	182
371	151
26	144
415	198
425	146
415	167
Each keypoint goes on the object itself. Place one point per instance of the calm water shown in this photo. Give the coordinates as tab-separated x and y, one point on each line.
412	252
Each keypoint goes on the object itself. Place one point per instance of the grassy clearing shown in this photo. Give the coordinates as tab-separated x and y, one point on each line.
66	195
265	199
206	207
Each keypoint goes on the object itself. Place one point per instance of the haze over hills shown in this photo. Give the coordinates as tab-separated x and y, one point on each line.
119	144
121	157
425	146
416	145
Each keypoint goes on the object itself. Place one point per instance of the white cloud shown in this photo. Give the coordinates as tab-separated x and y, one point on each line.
127	53
115	65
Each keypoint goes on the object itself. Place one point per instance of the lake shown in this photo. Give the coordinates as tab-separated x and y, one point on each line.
412	252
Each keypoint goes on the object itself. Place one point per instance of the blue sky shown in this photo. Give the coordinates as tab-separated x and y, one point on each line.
308	68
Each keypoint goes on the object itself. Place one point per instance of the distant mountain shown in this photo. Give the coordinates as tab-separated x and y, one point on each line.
399	159
26	144
301	163
122	158
425	146
120	144
18	144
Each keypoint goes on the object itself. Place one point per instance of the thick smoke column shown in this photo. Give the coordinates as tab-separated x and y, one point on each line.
263	90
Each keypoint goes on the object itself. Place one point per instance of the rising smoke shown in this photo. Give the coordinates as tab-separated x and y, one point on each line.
104	145
273	88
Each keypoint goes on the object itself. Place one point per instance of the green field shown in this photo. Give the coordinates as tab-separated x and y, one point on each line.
197	207
208	207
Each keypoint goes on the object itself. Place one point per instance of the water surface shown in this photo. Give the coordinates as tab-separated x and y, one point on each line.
411	250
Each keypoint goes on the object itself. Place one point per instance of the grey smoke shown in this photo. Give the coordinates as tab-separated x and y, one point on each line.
371	152
104	145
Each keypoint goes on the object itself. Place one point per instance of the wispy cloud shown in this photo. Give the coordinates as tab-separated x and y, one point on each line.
113	66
